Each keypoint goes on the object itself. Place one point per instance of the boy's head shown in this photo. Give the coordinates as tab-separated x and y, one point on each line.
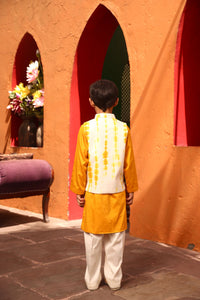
104	94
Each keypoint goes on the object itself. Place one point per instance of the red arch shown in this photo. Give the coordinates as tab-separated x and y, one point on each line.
187	77
25	53
88	65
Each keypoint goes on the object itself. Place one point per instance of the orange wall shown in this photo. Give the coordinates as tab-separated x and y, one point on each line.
166	206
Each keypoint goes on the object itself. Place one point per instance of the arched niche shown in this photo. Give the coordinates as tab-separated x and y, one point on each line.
26	52
187	77
101	53
116	68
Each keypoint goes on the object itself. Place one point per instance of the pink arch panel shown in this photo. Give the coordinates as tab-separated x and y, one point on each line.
187	77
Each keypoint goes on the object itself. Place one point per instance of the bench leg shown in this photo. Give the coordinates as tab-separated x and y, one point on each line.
45	202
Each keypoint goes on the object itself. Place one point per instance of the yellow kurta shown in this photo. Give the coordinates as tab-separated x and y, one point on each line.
103	213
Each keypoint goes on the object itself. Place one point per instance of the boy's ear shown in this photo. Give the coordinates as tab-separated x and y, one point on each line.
91	102
116	102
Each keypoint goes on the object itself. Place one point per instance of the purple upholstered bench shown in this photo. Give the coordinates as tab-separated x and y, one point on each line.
26	177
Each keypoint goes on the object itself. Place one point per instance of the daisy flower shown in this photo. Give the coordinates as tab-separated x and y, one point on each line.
32	71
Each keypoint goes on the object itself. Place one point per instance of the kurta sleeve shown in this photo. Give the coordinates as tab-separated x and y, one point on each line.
79	172
129	167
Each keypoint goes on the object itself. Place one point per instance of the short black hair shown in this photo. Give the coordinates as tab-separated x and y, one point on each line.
103	93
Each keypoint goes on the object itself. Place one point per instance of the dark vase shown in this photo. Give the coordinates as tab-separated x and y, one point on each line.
27	133
39	134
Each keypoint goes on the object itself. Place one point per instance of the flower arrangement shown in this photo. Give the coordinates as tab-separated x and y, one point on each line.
29	100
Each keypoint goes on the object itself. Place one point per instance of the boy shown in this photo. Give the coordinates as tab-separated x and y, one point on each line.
103	158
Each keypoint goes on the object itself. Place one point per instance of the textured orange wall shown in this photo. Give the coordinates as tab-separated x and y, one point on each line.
166	206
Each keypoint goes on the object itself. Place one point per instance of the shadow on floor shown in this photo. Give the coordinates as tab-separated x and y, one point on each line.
8	218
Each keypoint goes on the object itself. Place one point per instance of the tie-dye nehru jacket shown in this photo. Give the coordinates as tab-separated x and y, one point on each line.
106	149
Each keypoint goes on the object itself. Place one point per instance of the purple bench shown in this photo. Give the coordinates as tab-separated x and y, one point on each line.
26	177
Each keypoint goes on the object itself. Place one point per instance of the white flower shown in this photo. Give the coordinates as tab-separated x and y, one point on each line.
32	71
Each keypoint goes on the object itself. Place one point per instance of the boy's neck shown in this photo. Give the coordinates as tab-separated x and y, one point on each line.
100	111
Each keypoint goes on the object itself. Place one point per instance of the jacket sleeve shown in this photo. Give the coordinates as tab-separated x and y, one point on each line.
79	172
129	167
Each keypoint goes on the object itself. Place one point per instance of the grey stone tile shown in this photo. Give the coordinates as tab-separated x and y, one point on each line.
189	298
10	262
57	280
49	251
10	290
78	237
164	286
102	293
151	256
46	235
138	260
8	241
129	282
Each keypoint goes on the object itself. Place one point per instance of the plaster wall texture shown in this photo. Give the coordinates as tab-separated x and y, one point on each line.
165	208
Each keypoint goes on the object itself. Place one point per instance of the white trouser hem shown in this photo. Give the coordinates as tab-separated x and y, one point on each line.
113	284
92	286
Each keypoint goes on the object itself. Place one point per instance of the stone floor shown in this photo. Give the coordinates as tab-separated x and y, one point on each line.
47	261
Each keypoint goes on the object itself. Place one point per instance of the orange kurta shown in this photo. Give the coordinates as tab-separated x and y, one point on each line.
106	212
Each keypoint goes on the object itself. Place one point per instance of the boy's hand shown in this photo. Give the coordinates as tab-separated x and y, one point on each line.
129	198
81	200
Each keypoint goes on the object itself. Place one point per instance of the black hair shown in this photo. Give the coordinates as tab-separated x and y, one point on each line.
103	93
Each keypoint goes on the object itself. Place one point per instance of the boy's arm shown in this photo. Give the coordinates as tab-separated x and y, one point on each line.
129	198
79	172
80	200
130	171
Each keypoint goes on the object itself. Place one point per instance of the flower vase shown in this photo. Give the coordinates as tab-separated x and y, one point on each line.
39	133
27	133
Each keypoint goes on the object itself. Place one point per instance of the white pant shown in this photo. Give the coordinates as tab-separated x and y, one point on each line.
114	249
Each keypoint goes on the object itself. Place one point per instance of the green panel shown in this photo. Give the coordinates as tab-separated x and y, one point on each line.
116	68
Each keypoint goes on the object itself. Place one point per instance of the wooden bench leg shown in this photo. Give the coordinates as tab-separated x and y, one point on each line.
45	202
